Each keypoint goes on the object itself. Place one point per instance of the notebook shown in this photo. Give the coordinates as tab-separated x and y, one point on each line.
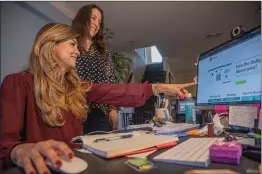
90	138
168	129
139	143
175	128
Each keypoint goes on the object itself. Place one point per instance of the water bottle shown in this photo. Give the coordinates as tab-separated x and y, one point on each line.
194	114
190	111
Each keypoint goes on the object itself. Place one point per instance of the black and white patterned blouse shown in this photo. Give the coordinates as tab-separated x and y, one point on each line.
93	66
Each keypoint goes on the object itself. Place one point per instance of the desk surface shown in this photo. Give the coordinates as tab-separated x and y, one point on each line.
97	165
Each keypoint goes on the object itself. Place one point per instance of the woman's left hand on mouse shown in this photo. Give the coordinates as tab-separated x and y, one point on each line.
31	156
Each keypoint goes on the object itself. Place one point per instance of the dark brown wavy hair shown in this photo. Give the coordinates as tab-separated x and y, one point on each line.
82	20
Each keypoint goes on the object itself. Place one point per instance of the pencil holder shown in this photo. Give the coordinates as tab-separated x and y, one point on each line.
162	113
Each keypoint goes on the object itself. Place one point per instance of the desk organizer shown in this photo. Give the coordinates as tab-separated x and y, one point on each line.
226	152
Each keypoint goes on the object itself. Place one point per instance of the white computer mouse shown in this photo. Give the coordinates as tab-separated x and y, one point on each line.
75	165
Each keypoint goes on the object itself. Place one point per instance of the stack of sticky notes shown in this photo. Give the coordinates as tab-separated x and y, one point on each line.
140	164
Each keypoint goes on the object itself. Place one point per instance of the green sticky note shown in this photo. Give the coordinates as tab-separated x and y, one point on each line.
138	162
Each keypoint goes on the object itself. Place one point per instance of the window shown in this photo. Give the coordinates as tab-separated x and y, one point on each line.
141	52
155	55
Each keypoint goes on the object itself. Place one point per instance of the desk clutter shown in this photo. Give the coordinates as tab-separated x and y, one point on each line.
222	145
198	152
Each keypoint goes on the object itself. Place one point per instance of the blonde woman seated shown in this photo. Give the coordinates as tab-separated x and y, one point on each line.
44	108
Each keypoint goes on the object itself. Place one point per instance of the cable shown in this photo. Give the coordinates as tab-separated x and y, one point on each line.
109	132
147	121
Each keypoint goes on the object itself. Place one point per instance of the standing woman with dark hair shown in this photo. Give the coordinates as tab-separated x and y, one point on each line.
95	64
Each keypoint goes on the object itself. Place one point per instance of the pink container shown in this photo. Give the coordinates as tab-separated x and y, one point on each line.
226	152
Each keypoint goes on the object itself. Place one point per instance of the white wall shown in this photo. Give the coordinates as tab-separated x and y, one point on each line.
20	23
186	78
138	66
167	68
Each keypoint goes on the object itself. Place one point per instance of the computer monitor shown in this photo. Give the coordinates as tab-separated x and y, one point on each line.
231	73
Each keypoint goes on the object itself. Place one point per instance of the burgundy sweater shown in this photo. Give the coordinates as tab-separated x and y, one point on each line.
20	117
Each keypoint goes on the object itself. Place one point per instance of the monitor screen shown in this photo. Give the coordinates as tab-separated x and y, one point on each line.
231	72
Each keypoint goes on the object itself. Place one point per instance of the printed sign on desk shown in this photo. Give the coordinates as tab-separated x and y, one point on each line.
242	116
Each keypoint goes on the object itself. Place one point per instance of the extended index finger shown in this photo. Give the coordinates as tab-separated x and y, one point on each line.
188	84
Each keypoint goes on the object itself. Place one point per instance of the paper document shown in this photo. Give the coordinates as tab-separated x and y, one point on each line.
247	141
242	116
83	151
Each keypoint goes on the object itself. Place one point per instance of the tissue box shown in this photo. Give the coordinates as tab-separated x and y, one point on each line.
226	152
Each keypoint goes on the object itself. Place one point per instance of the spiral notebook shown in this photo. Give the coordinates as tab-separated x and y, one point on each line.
127	146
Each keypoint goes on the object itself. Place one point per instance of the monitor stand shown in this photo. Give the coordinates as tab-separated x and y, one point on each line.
205	108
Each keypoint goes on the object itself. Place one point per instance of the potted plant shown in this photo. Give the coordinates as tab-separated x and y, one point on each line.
122	63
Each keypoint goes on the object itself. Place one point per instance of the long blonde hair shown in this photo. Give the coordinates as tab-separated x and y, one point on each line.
55	92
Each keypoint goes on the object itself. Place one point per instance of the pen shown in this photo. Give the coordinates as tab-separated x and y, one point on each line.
114	138
161	104
158	101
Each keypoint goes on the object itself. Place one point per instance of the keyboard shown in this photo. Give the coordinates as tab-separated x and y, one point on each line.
193	152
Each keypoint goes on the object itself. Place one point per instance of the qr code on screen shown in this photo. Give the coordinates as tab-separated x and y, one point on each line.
218	77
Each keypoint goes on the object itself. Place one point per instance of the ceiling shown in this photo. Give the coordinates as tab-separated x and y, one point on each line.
176	28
